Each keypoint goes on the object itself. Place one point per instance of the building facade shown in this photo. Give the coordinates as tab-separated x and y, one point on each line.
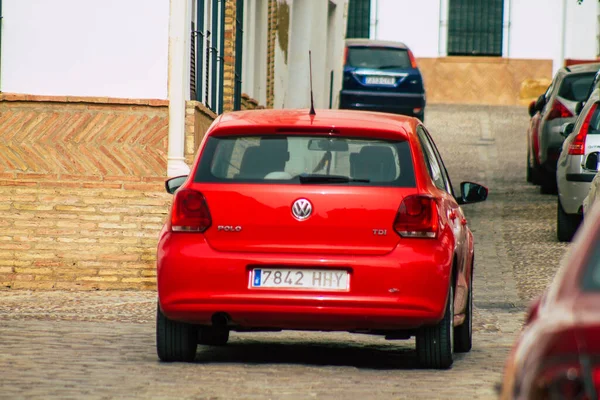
101	101
487	51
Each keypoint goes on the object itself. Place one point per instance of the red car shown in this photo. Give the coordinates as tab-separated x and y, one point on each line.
339	221
557	355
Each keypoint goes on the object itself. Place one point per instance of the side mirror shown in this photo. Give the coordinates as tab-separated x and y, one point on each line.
567	128
540	103
578	107
592	161
472	193
171	185
532	109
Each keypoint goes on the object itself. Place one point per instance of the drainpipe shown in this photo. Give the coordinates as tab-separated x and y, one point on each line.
558	63
177	87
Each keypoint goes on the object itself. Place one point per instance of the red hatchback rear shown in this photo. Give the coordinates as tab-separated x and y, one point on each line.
340	221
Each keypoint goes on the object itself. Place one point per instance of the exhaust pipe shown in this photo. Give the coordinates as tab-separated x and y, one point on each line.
220	320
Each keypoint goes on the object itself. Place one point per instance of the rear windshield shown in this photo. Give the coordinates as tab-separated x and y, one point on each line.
306	159
378	58
591	276
576	87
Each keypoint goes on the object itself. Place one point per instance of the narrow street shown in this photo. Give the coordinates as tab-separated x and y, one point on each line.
100	345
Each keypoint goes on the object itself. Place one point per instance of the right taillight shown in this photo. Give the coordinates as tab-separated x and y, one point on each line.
577	146
559	110
413	61
417	217
190	212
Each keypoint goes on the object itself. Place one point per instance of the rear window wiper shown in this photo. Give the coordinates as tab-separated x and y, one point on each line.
315	178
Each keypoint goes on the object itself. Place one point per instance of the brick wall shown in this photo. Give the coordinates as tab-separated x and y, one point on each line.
197	120
82	189
271	36
484	80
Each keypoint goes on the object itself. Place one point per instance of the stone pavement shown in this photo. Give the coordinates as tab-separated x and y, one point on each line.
100	345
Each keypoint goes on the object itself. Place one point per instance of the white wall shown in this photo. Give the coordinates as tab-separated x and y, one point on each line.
532	28
112	48
415	23
318	26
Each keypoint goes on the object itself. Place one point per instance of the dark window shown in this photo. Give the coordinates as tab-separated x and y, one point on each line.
239	41
294	159
475	27
369	57
359	19
206	66
575	87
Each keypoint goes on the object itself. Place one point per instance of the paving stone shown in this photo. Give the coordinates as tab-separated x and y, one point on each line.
101	345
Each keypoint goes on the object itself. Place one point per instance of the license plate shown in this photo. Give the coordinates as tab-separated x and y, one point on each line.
299	279
380	80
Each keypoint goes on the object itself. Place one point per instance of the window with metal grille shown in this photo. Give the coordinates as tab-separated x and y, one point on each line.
475	27
359	19
206	51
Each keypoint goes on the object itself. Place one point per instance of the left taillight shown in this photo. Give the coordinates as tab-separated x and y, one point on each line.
417	217
577	146
189	212
559	110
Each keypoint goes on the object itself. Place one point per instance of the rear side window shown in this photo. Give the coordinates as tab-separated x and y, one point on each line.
576	87
378	58
594	128
294	159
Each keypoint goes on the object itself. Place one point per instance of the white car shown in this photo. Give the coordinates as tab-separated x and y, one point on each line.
577	166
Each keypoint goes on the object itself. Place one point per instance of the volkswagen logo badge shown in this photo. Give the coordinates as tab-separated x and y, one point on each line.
301	209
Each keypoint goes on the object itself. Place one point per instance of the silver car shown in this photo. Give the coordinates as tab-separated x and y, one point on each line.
569	87
577	166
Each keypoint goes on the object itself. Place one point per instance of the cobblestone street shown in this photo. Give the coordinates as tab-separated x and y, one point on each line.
101	345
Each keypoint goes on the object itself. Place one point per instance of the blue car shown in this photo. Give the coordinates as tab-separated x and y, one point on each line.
382	76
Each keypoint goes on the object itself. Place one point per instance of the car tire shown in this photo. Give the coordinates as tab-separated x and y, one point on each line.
548	184
421	116
175	341
435	343
463	334
211	336
566	224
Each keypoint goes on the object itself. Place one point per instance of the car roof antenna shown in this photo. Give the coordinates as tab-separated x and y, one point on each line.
312	102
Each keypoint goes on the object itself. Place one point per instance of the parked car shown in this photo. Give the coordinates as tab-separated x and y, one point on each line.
557	106
557	355
343	221
382	76
533	142
577	166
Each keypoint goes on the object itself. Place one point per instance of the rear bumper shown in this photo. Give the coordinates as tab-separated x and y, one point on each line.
398	103
404	289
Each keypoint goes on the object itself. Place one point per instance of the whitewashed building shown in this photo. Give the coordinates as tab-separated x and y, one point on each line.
485	51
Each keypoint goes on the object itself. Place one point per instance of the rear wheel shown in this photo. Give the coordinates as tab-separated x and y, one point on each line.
463	334
175	341
435	344
212	336
566	224
529	169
